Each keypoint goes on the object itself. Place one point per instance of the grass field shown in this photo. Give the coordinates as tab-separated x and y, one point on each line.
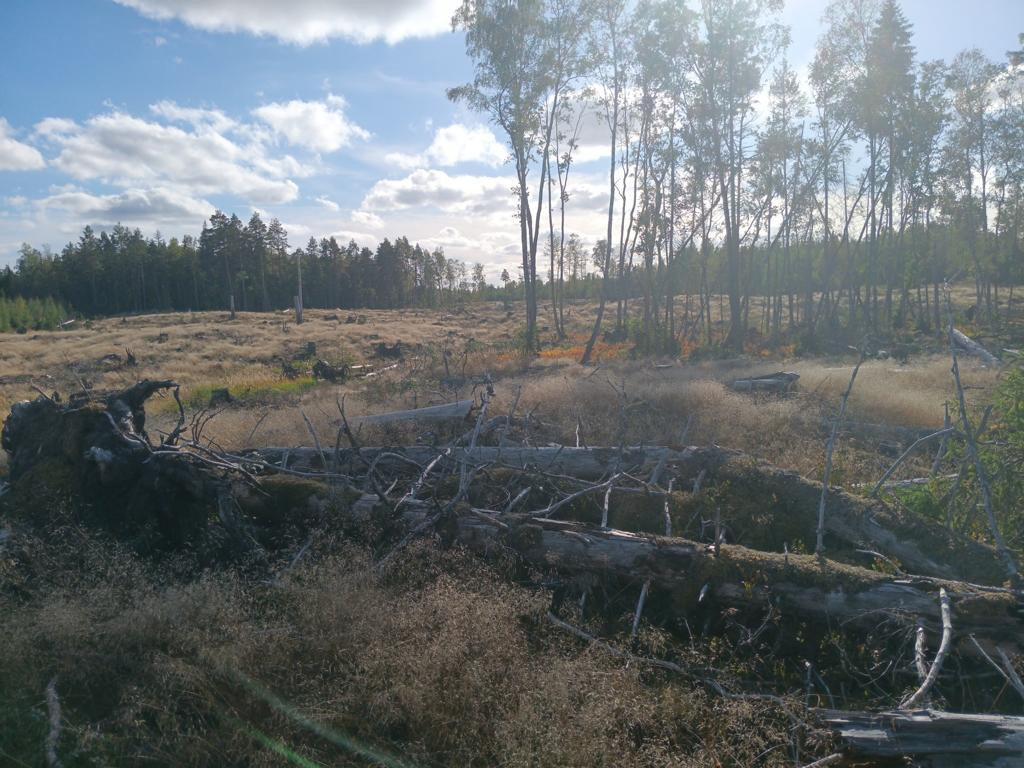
445	352
437	660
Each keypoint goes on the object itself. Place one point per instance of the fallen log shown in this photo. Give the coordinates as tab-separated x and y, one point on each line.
582	463
971	347
930	738
776	507
691	573
779	383
458	411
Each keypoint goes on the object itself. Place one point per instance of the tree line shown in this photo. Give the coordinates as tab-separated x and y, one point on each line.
250	264
838	208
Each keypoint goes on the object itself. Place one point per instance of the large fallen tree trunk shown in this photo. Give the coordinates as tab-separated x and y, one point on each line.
691	573
930	738
775	508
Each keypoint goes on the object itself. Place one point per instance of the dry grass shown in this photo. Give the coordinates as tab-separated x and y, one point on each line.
439	662
200	348
634	402
203	351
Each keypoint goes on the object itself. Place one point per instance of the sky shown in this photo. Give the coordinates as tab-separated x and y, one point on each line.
330	115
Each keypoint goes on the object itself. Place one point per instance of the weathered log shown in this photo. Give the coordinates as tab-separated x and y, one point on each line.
733	576
780	382
971	347
582	463
930	738
774	501
458	411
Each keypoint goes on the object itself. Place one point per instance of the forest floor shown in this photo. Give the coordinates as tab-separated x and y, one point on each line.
437	660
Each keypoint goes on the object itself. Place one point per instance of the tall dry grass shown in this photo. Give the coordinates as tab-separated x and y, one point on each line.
436	662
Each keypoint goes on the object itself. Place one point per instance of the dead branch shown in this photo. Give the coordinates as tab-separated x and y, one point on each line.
316	440
1006	670
1011	672
829	760
921	693
819	546
942	433
1007	557
457	411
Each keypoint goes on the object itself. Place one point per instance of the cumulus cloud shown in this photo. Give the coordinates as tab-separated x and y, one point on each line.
129	151
450	193
318	125
454	144
303	22
213	119
16	155
55	127
158	205
367	219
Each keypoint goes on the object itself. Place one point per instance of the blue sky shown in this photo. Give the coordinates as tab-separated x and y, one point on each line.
329	114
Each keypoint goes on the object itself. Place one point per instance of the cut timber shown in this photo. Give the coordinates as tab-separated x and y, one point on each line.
458	411
776	503
931	739
780	382
971	347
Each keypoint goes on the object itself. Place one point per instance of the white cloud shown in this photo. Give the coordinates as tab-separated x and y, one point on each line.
159	41
128	151
136	206
367	219
54	127
16	155
318	125
404	161
454	194
454	144
328	204
458	143
213	119
308	21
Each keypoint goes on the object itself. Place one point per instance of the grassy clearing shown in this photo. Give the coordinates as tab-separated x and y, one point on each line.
445	351
440	661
